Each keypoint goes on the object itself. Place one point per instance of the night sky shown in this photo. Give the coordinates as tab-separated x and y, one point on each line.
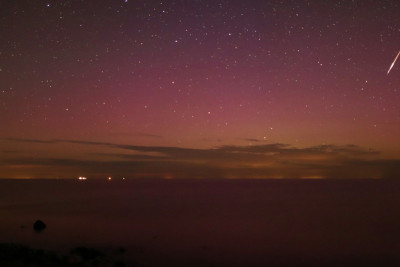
199	89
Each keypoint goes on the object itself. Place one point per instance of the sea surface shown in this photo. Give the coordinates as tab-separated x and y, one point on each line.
211	222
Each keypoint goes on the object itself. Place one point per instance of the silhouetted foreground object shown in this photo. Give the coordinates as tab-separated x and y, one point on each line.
39	226
87	254
19	256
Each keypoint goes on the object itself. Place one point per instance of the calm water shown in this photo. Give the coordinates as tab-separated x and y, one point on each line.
212	222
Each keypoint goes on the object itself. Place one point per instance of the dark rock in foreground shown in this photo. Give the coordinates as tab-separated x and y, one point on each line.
87	254
39	226
15	255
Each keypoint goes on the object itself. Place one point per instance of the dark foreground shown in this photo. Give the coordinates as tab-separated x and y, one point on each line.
201	223
20	255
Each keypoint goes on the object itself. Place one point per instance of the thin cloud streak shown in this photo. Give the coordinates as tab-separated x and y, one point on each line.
256	161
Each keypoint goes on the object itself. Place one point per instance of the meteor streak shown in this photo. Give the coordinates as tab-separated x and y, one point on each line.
394	61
